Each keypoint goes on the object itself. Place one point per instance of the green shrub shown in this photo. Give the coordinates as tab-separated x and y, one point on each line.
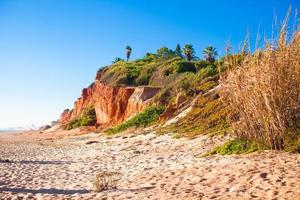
118	59
165	53
87	118
145	74
183	66
142	119
150	57
143	79
236	146
201	64
132	72
292	141
75	123
210	70
163	97
186	86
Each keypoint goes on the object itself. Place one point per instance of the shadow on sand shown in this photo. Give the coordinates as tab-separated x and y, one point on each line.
43	191
65	192
37	162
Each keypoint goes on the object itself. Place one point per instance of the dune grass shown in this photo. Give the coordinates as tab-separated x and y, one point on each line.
265	93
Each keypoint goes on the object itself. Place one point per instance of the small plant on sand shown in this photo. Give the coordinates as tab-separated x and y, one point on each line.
142	119
106	180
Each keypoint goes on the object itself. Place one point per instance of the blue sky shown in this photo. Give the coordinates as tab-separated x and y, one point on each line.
51	49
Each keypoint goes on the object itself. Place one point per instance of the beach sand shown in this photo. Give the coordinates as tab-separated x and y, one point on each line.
50	166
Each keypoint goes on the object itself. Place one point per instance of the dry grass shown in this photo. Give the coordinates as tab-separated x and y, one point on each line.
106	180
265	93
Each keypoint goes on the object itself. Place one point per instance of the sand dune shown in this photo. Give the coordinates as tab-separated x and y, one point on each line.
153	167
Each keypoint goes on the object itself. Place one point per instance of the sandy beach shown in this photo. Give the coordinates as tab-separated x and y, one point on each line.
152	167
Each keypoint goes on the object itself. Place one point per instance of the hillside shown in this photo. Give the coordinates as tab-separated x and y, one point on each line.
124	89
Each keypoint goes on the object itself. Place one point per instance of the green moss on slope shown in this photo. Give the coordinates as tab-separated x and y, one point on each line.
209	115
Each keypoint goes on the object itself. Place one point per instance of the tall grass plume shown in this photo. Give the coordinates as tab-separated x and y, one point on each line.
264	92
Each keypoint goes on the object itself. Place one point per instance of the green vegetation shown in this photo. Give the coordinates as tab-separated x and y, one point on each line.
208	117
209	70
75	123
143	119
292	141
87	118
117	59
165	53
165	68
182	66
189	52
236	146
178	51
210	53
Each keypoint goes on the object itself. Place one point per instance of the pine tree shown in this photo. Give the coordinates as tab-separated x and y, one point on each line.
178	51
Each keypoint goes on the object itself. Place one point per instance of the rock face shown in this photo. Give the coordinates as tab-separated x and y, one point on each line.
112	104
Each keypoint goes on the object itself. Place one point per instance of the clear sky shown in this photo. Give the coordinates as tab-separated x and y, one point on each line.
51	49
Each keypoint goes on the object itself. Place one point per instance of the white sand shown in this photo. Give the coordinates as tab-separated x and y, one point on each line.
154	167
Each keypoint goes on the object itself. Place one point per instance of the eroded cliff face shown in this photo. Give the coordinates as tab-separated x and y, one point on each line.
112	104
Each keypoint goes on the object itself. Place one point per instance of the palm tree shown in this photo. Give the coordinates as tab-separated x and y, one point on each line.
128	52
210	53
188	51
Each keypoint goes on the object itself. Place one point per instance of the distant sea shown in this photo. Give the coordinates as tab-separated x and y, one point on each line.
8	131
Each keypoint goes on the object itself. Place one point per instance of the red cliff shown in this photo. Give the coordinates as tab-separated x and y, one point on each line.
112	104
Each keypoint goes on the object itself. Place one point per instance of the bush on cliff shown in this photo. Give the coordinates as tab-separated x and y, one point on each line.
143	119
75	123
87	118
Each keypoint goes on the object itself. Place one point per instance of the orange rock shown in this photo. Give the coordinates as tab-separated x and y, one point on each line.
168	113
112	104
65	117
